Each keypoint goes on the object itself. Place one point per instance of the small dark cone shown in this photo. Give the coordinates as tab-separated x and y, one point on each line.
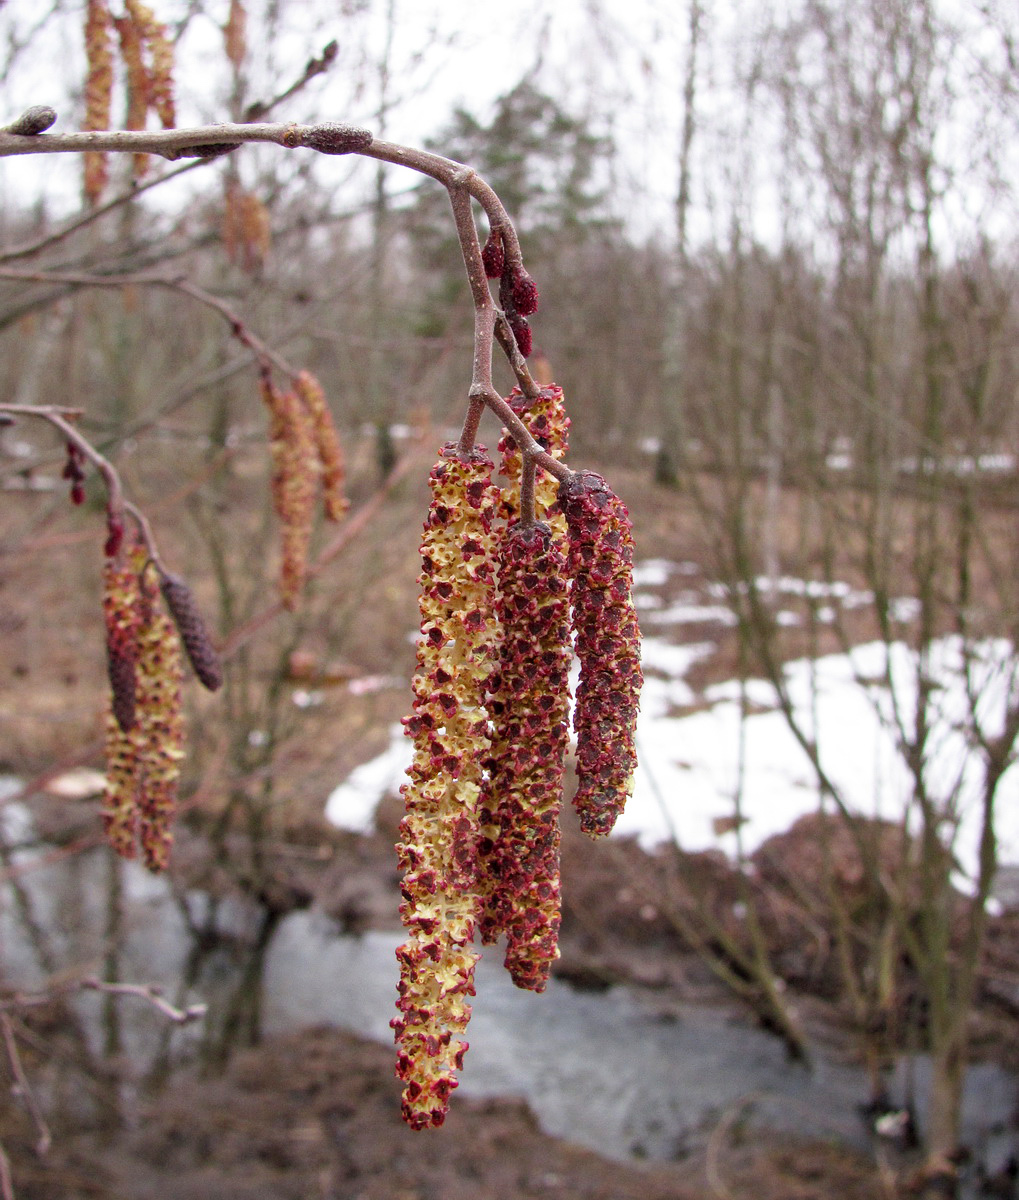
193	632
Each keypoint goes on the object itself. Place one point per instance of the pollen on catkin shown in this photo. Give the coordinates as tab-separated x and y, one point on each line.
143	754
439	833
529	706
547	422
295	471
98	92
122	615
160	674
327	442
608	645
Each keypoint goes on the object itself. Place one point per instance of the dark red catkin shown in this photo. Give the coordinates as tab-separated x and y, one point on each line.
493	256
608	646
194	633
529	706
74	473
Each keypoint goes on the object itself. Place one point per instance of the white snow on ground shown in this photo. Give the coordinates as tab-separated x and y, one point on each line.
693	767
699	768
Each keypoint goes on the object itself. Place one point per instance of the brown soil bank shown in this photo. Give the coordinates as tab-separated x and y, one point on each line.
315	1116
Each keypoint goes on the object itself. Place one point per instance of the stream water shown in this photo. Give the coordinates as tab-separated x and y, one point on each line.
603	1070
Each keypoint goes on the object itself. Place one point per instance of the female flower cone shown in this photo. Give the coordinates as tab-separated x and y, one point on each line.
529	705
438	846
608	646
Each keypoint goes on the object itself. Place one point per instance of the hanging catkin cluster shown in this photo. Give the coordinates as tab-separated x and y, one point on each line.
306	456
144	725
480	839
148	57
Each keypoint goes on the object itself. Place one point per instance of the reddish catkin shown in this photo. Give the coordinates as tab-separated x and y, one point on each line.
294	484
529	706
438	834
160	744
608	646
98	92
327	442
493	256
122	615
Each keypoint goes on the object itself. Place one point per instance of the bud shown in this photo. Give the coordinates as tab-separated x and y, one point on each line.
336	139
114	534
529	703
608	646
521	334
493	256
33	121
439	833
193	631
524	292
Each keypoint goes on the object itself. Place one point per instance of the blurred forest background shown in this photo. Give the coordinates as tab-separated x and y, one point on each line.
776	250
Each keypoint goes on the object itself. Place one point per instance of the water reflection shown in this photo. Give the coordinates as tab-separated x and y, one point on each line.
606	1071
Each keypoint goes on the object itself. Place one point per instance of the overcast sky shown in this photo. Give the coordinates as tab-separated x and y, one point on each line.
619	63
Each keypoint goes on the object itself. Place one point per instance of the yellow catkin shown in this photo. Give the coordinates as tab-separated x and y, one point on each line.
246	229
327	441
438	835
160	732
295	471
120	795
138	87
547	422
98	92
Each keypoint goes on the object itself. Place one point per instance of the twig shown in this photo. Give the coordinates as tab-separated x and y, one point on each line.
57	417
29	249
152	995
204	141
6	1183
22	1088
315	66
